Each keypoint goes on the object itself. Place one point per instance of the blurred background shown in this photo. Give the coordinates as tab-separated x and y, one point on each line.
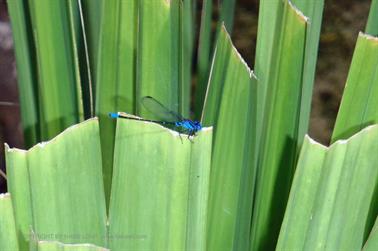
342	20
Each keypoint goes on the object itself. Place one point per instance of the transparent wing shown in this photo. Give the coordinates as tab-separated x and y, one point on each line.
159	110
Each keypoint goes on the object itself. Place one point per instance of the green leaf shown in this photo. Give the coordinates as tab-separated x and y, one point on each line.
332	194
314	11
52	66
217	79
280	133
115	88
372	24
158	66
41	245
203	61
269	31
230	106
160	188
58	246
57	187
26	69
360	99
84	92
58	82
8	234
19	186
187	47
92	16
372	243
207	42
227	9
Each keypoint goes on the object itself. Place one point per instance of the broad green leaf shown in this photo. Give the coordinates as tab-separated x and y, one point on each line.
332	194
207	42
230	106
303	193
58	82
36	244
19	186
92	16
314	11
158	62
203	54
372	24
217	79
82	74
115	87
372	242
360	99
57	187
187	45
52	66
8	234
160	188
227	9
26	69
58	246
280	132
269	31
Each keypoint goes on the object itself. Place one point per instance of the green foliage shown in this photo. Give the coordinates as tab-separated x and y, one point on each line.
372	243
231	108
42	245
332	193
166	180
372	24
116	67
205	46
59	193
8	234
57	187
359	104
58	74
226	192
280	134
26	70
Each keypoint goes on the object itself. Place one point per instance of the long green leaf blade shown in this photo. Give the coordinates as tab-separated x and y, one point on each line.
160	187
42	245
115	88
8	234
92	16
217	79
57	72
207	42
360	99
332	194
372	24
158	66
314	11
26	70
19	186
203	54
65	198
372	242
187	45
230	106
269	25
280	133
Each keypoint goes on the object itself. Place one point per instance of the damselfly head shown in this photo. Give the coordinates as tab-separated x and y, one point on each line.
198	125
